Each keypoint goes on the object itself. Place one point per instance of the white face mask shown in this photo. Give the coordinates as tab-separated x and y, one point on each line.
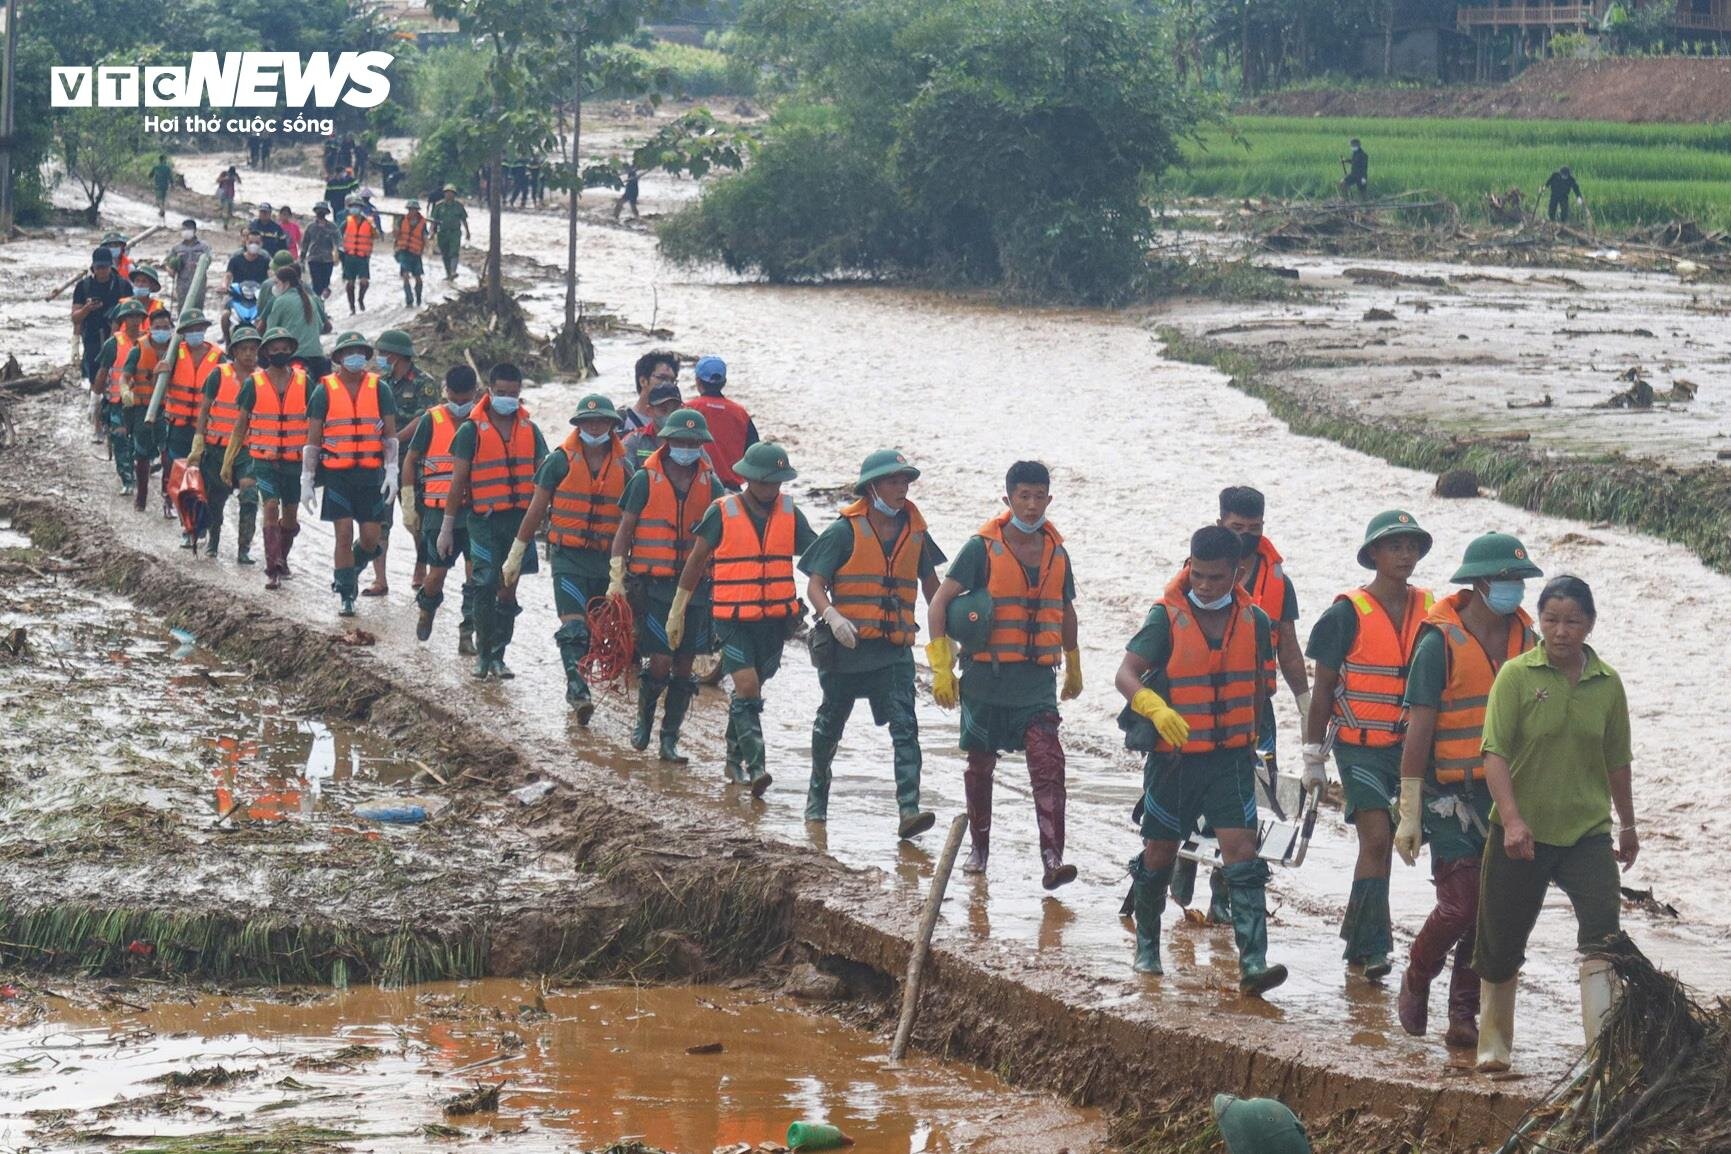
1218	603
254	249
188	233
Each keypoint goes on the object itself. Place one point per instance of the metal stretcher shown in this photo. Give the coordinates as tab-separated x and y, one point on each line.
1286	817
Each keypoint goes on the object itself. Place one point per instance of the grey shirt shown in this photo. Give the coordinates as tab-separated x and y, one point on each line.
319	241
182	260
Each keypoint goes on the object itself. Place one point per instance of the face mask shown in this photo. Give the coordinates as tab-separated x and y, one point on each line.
115	253
685	456
278	360
1504	597
594	438
1251	541
1029	527
187	234
1219	602
383	362
254	249
160	336
355	362
883	507
505	406
194	340
462	408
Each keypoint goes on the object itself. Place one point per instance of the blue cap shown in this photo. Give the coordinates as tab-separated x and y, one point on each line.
711	369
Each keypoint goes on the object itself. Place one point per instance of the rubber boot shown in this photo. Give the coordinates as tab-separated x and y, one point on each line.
1448	926
483	633
285	547
1046	776
505	614
977	786
904	730
649	688
1598	996
749	712
344	583
823	750
1148	902
1496	1025
429	609
1219	899
1463	1031
273	556
140	482
212	538
1248	881
1183	884
730	768
1365	928
680	691
243	539
408	295
572	638
466	629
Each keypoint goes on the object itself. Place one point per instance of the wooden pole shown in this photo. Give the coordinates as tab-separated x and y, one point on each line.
923	939
165	368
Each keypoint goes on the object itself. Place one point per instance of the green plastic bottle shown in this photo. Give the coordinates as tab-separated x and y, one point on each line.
815	1136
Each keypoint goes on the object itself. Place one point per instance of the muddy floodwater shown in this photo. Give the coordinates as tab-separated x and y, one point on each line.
88	1069
1139	449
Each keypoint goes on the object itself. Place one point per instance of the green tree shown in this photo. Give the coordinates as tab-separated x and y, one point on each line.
96	146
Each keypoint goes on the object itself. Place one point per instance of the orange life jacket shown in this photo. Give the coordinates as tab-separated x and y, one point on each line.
437	463
118	378
359	234
224	407
501	476
586	506
354	428
186	384
1027	620
1215	690
411	238
1367	700
754	574
1456	751
874	591
277	430
1268	592
664	526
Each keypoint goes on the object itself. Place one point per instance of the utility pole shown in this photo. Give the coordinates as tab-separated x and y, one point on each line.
7	121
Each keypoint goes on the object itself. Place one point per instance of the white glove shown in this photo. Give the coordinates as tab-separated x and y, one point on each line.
309	463
447	534
1315	774
388	487
1304	714
513	566
840	626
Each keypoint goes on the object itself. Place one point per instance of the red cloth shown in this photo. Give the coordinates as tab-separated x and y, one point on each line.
728	424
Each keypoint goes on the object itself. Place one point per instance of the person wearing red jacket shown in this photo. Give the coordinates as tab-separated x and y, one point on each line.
729	423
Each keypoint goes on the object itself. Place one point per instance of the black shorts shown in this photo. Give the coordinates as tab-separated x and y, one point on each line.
321	270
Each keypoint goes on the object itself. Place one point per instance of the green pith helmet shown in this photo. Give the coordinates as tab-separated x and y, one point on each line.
765	462
1393	523
192	319
968	621
883	463
1495	555
412	206
280	259
685	425
128	307
243	334
1258	1126
280	334
395	341
350	340
594	407
113	238
146	271
449	188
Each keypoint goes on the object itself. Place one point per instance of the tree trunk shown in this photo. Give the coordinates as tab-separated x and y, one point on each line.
1388	39
1248	82
495	235
572	351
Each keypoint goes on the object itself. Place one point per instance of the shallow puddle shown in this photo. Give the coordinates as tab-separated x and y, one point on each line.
579	1068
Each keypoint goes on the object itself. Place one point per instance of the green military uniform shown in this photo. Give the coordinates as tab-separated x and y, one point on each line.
427	544
876	669
216	492
448	217
490	537
413	395
1459	833
754	645
117	414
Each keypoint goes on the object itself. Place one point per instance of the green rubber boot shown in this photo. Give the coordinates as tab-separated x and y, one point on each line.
572	638
1183	887
1148	902
730	769
680	691
1366	929
649	690
904	730
1219	899
748	712
817	792
212	537
345	586
483	617
243	540
505	614
1248	883
466	628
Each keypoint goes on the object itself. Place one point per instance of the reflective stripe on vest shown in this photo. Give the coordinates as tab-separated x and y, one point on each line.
586	507
437	463
224	407
118	379
1367	701
144	380
1456	747
411	238
277	430
874	591
186	384
358	235
1027	620
354	429
753	574
501	476
662	539
1214	689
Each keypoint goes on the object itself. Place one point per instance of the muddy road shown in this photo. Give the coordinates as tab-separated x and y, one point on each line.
1139	447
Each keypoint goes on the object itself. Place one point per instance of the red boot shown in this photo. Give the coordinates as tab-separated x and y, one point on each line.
273	557
1456	912
977	784
1046	775
1463	1031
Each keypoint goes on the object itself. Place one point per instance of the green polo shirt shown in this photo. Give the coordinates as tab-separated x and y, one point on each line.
1561	742
414	394
832	550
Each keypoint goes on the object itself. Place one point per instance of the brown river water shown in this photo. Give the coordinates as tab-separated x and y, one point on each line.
1139	448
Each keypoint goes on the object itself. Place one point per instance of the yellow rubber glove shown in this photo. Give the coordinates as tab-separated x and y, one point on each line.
411	512
195	452
1410	835
1072	675
513	567
1168	722
229	455
941	652
676	618
615	576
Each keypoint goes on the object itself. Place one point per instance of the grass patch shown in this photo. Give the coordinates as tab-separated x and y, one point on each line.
282	1140
1691	507
1632	174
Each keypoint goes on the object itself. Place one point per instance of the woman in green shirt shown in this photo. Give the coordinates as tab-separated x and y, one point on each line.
1556	746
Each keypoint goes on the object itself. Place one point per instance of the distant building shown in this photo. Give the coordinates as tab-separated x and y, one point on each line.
414	20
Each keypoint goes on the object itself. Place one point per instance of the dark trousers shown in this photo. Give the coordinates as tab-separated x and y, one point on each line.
1511	894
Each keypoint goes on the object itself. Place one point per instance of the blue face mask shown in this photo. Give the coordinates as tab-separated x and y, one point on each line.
194	339
383	362
115	253
504	406
683	455
879	504
462	410
1504	597
1029	527
594	438
1219	602
355	362
160	336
